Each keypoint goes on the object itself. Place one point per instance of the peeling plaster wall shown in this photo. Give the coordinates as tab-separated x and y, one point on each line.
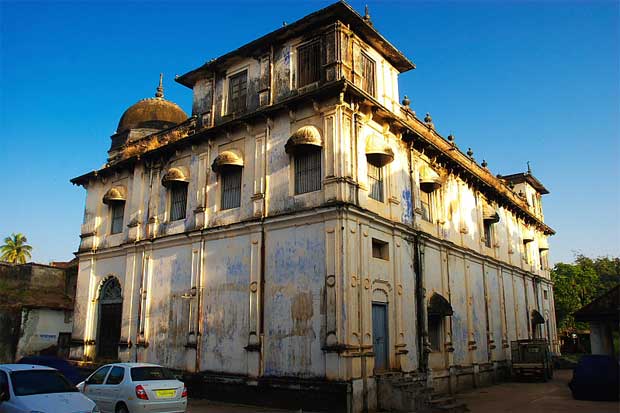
40	329
294	308
167	311
226	305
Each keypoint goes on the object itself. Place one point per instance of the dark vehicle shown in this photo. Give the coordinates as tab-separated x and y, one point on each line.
596	377
63	366
531	358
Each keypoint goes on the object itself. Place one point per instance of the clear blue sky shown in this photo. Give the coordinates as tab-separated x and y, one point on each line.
516	81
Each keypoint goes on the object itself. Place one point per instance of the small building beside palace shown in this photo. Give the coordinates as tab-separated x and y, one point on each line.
303	229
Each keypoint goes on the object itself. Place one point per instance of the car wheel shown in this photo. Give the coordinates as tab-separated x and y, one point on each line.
121	408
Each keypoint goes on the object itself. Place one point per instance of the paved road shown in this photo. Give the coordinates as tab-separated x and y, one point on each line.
551	397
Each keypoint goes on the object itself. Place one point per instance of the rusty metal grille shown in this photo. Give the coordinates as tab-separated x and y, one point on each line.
426	205
178	201
308	171
237	92
375	179
368	74
231	188
308	63
117	214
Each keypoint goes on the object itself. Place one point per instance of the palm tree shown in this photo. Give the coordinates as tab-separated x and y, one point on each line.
15	250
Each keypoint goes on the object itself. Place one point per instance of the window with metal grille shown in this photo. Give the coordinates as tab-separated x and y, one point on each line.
178	201
426	205
231	187
117	213
488	233
308	63
307	171
237	92
375	179
368	74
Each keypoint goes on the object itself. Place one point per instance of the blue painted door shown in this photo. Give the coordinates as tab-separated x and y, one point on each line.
380	335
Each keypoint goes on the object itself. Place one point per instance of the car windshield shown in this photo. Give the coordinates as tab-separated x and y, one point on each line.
29	382
150	373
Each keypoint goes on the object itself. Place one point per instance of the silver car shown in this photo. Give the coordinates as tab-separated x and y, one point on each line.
27	388
135	388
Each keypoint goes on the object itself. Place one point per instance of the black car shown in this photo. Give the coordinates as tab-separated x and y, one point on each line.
62	365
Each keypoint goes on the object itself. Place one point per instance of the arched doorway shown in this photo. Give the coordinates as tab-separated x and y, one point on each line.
110	316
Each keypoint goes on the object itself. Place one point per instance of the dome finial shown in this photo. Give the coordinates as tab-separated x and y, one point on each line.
160	88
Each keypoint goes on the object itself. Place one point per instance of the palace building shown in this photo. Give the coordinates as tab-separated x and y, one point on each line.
304	231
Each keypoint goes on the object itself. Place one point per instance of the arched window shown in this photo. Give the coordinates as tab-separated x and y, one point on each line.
305	145
111	291
177	180
115	199
438	308
378	155
229	166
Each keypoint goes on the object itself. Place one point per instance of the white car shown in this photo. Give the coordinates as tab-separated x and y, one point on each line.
27	388
135	388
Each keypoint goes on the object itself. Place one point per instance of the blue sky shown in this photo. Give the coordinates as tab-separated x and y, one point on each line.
515	81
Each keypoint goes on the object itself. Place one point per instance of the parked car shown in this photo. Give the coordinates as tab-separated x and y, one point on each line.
596	377
62	365
135	388
27	388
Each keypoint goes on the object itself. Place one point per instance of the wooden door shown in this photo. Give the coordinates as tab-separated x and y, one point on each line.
380	335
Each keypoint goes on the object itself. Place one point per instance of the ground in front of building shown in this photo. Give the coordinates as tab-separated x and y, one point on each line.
515	397
533	397
208	406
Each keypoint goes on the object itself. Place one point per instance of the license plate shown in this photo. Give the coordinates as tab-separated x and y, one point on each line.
165	394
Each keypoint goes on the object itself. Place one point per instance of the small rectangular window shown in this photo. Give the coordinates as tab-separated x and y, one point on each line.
231	188
380	249
307	171
375	180
368	75
308	63
488	233
426	204
237	92
117	213
545	294
178	201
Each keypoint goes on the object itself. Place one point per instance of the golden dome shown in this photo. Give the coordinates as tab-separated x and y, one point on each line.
152	113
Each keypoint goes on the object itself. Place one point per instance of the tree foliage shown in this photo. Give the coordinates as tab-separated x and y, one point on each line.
15	250
577	284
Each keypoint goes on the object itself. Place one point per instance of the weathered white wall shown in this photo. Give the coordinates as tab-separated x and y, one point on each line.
283	285
40	328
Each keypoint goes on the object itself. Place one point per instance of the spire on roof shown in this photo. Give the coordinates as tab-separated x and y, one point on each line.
160	88
367	15
529	168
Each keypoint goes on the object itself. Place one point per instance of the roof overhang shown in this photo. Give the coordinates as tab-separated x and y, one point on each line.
339	11
526	177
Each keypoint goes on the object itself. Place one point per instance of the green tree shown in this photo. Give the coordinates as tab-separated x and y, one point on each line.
577	284
15	250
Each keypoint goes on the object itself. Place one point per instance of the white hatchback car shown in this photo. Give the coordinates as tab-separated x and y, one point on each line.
27	388
135	388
